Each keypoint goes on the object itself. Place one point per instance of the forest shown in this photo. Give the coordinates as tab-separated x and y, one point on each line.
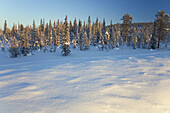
48	37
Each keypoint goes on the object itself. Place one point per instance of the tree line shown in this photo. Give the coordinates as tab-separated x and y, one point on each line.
82	35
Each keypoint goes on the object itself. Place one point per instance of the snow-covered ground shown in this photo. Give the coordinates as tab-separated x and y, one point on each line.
118	81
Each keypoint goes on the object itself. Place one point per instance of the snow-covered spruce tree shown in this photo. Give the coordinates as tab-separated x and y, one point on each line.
135	38
62	33
153	41
46	34
34	38
104	28
146	38
118	35
107	36
21	38
71	31
54	37
6	31
58	34
114	36
162	20
80	40
50	27
26	46
65	47
51	41
13	48
111	33
127	20
93	33
85	41
14	30
75	31
101	40
140	36
50	33
54	25
41	26
84	27
42	44
97	32
5	27
89	31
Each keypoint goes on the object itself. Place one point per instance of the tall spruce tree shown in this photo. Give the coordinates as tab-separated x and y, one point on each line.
34	36
146	38
85	41
74	41
97	32
127	20
104	27
14	48
111	35
26	46
58	33
94	33
80	35
107	35
5	27
65	48
162	20
89	31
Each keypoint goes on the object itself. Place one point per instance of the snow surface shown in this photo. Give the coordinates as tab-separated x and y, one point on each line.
118	81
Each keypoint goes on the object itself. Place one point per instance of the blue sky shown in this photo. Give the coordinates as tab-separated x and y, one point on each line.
24	11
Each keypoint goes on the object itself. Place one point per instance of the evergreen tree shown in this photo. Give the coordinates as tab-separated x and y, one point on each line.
41	26
97	33
127	20
89	30
107	35
34	36
74	41
146	38
135	39
116	34
101	40
84	26
71	29
94	33
80	35
85	41
153	42
50	27
134	42
162	20
75	26
46	35
58	33
5	27
111	35
54	25
104	27
13	48
14	30
66	51
26	45
51	41
42	44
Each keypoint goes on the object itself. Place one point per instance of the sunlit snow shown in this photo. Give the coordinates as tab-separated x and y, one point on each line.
115	81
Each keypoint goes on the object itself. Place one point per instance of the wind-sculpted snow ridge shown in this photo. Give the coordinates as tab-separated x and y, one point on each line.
118	81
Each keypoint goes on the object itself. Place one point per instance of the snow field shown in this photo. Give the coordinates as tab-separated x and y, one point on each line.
118	81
